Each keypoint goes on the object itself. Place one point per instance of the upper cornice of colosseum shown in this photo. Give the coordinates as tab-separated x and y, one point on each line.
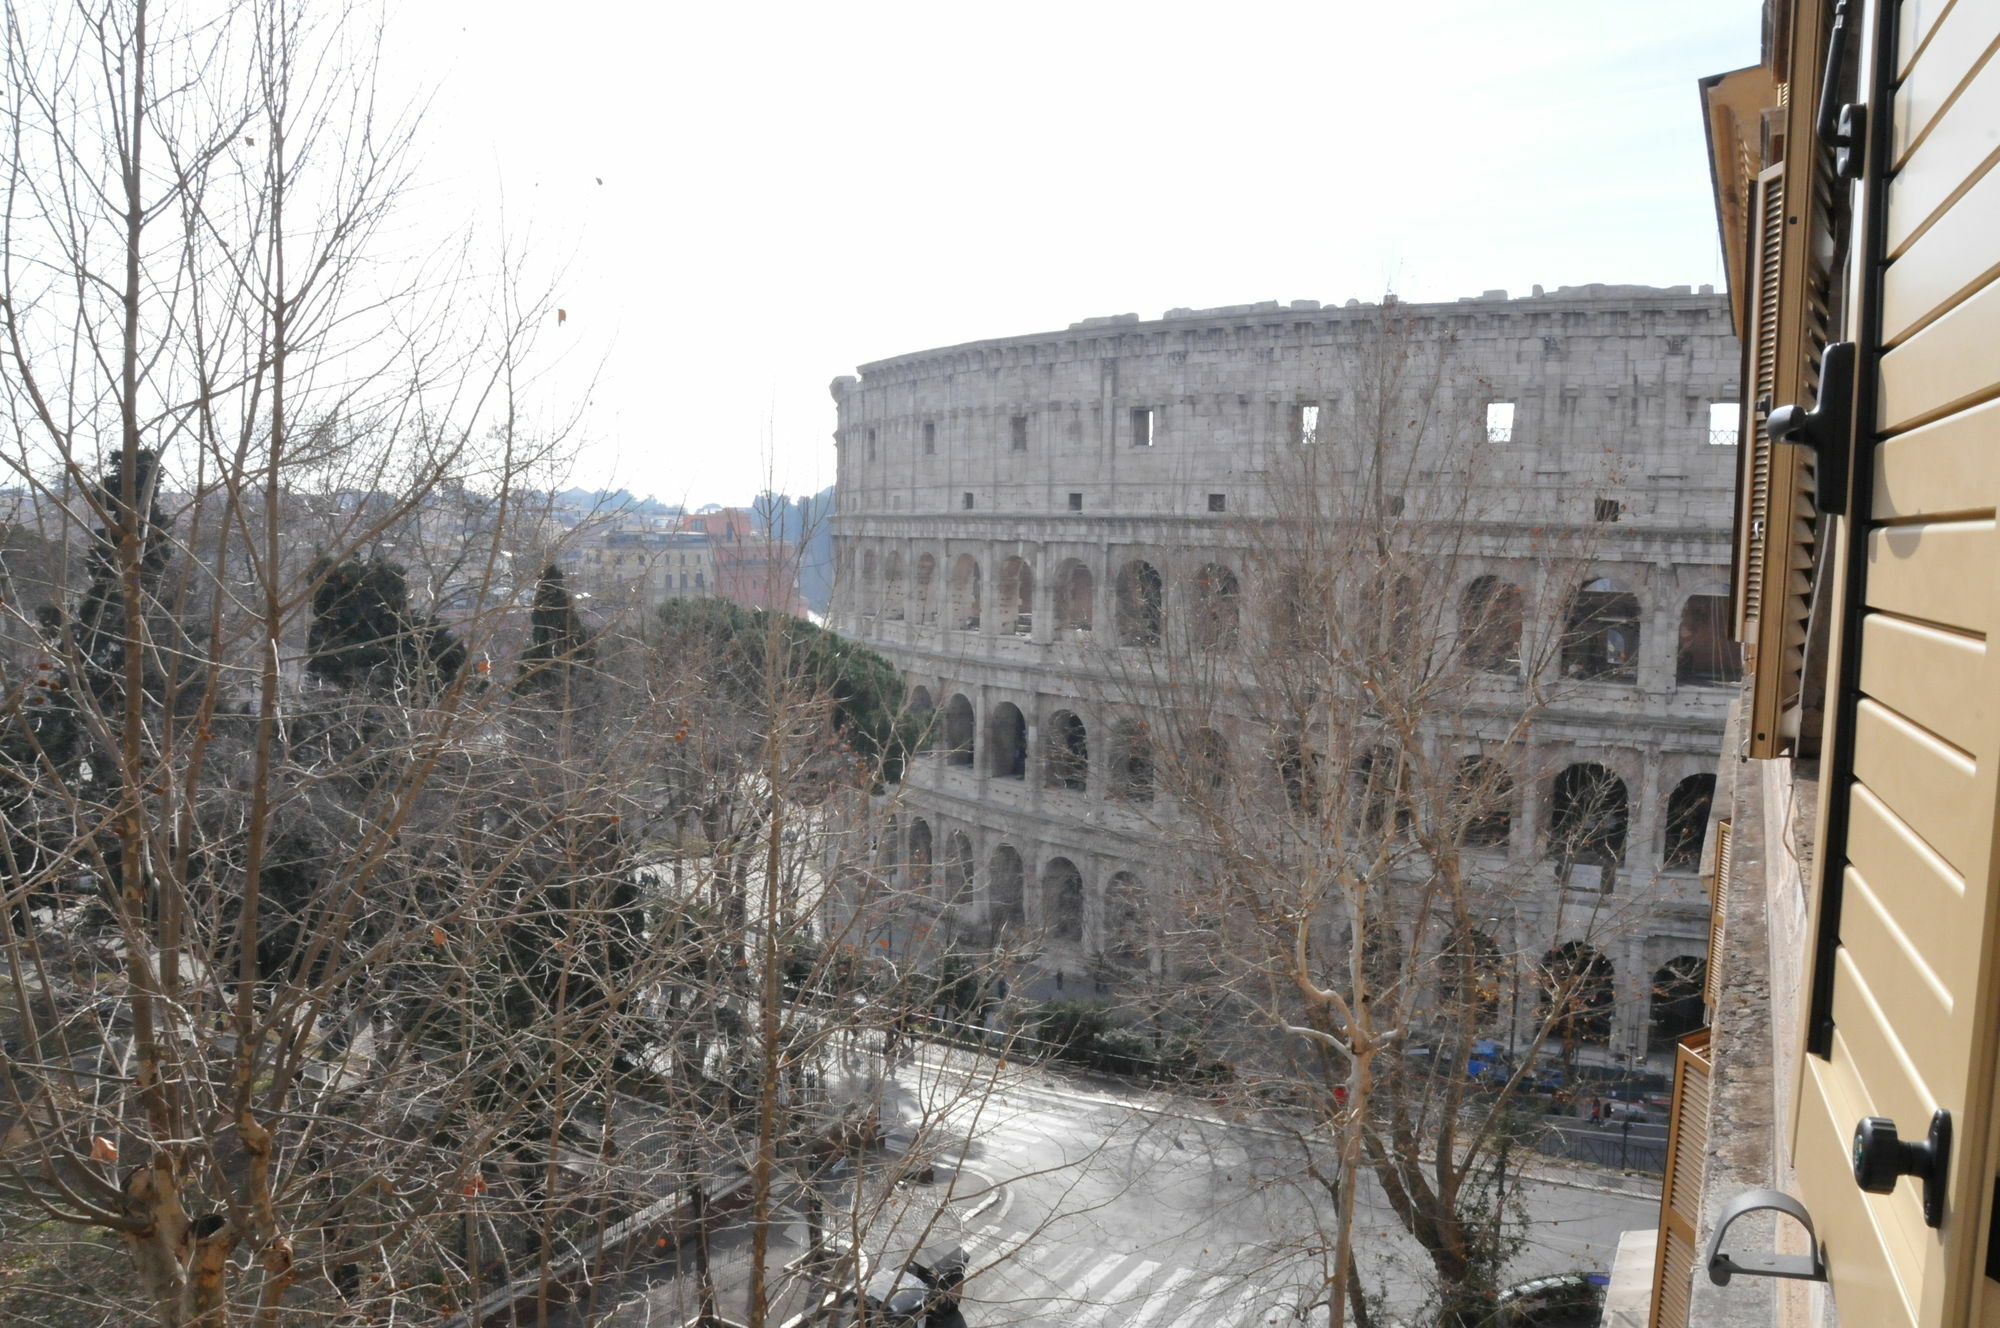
1597	297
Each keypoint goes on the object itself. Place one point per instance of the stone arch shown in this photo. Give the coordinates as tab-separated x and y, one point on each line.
917	859
1062	899
1472	976
1017	597
1299	617
956	740
1380	788
923	590
1066	753
1705	655
1124	941
1216	608
1007	742
957	868
870	590
1076	597
1207	761
1131	762
923	715
1687	822
1601	633
1677	1005
1485	802
1004	899
1588	815
1140	606
1579	997
1299	764
892	587
965	593
1489	625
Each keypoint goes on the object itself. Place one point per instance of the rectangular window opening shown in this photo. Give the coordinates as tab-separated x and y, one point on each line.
1076	502
1305	425
1724	420
871	444
965	501
930	437
1019	437
1607	509
1218	502
1499	421
1142	426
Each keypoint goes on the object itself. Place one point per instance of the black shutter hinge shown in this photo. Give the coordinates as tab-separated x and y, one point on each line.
1826	428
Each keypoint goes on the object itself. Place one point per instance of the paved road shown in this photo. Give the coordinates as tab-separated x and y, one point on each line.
1084	1206
1116	1218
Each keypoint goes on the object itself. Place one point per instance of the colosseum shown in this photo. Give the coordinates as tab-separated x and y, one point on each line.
1001	502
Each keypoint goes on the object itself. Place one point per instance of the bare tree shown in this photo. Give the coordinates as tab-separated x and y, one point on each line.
1345	755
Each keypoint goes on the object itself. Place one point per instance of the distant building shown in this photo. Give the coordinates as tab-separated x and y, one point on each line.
1007	505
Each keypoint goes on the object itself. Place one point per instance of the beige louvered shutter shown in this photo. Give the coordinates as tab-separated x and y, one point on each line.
1680	1196
1718	905
1787	331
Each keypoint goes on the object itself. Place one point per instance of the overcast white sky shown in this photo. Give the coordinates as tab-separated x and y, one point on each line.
791	190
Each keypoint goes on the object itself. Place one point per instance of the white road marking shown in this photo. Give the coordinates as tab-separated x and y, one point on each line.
1234	1316
1157	1302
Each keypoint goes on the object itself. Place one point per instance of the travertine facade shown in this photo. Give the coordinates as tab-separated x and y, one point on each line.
964	467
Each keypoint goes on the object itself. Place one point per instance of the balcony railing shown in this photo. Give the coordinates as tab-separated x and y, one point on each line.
1722	437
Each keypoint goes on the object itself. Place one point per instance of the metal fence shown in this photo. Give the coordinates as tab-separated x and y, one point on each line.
1605	1146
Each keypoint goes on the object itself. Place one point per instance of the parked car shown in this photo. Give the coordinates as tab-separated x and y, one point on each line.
1618	1110
1566	1300
920	1292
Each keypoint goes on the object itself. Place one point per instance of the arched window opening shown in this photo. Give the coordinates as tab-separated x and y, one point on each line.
1215	609
1062	895
1489	625
892	588
1706	657
1300	621
869	588
1132	763
1677	999
923	591
1067	759
1381	796
890	847
923	716
957	868
1076	598
1578	995
1687	822
1017	597
1207	761
917	861
1007	742
1588	816
1141	604
1601	637
1299	775
1391	615
965	593
1004	908
1125	941
1472	976
958	731
1485	802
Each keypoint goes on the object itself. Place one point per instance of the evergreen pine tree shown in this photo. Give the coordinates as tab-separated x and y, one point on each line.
557	644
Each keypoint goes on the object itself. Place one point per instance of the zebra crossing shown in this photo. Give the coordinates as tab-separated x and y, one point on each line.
1044	1281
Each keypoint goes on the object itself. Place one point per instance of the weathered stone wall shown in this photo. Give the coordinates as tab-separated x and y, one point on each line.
1028	447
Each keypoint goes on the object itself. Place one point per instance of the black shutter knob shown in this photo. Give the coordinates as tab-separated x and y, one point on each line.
1882	1157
